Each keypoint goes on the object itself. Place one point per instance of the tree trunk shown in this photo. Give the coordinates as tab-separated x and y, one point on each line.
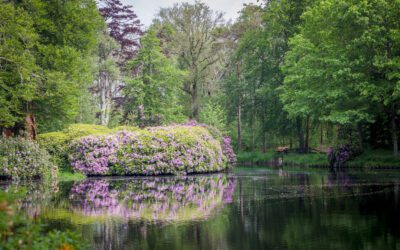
30	126
290	142
321	139
195	107
360	136
141	116
300	134
306	144
103	105
252	136
394	131
264	147
239	129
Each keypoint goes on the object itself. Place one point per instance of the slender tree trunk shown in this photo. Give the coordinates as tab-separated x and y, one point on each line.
195	107
239	128
239	114
300	134
321	139
252	136
103	96
360	136
307	134
264	142
394	131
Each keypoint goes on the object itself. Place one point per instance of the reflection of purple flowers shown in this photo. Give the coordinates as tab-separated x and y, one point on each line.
162	198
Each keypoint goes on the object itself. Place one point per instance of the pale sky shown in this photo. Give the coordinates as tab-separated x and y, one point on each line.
146	9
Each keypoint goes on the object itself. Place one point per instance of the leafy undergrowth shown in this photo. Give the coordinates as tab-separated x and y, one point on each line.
368	159
17	231
315	159
255	157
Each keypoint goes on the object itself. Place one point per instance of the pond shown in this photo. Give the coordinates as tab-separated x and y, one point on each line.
263	208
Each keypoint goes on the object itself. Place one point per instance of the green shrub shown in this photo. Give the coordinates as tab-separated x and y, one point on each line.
125	128
56	143
79	130
19	232
23	159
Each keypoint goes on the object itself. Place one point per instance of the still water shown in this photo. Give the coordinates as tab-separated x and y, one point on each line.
246	209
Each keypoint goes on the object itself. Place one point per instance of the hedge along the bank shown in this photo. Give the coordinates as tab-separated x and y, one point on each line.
21	158
153	151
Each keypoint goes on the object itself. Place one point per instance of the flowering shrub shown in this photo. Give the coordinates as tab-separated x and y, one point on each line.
339	156
153	151
57	143
228	150
225	140
23	159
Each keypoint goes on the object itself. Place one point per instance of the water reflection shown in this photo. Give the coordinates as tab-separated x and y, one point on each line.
180	198
248	209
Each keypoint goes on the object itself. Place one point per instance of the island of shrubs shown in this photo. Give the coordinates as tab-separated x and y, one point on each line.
98	150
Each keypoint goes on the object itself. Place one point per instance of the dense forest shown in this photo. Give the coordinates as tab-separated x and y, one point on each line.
298	73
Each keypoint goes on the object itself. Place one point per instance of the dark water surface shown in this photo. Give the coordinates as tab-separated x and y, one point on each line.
246	209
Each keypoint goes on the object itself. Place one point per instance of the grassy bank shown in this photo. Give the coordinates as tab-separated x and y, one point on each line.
70	176
376	159
368	159
258	158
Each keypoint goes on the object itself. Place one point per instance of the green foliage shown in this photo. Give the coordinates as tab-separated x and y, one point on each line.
69	176
125	128
46	49
156	86
255	157
18	83
214	115
19	232
341	66
56	143
24	159
192	36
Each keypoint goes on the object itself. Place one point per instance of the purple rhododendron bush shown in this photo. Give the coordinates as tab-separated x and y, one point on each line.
180	149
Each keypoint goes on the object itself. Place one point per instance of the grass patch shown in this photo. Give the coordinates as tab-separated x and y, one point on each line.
290	158
255	157
70	176
314	159
368	159
376	159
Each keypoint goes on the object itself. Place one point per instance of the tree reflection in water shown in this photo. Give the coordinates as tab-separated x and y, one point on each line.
282	208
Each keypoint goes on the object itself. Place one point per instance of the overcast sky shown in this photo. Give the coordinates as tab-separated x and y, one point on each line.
146	9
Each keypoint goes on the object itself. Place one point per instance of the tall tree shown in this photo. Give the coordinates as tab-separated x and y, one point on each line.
18	71
153	93
107	76
124	26
195	44
66	38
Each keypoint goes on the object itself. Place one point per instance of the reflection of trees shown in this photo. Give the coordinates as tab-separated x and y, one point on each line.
334	210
